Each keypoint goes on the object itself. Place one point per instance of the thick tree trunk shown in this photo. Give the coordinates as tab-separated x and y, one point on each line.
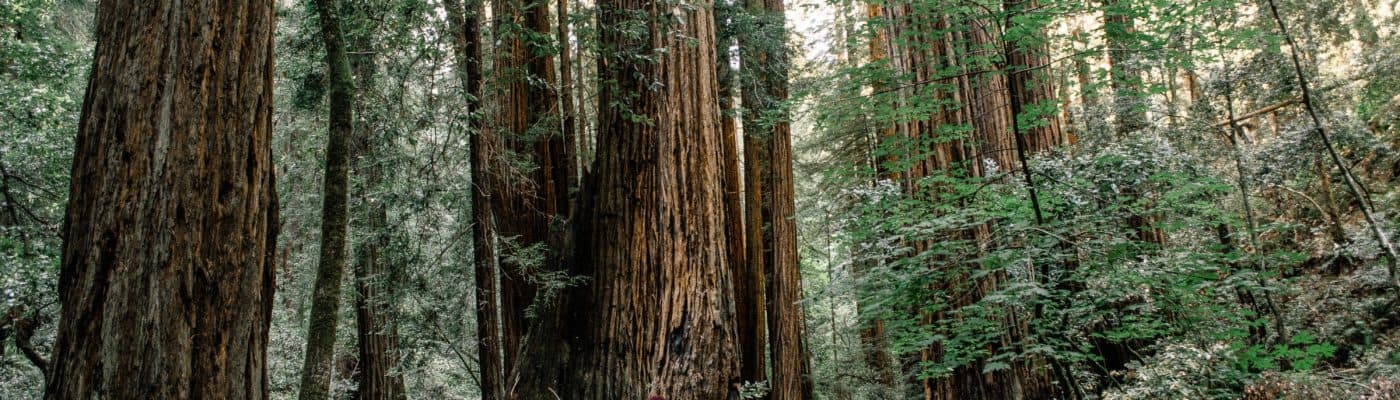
318	368
166	278
465	23
659	308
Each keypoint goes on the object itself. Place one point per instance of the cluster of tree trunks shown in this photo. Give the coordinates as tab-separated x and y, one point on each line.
677	263
919	43
652	227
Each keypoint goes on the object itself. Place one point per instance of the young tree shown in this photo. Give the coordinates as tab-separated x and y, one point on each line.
167	279
318	366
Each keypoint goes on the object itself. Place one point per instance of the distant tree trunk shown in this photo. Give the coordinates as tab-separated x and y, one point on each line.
766	62
756	164
1129	112
872	336
377	334
573	136
748	279
658	308
930	47
533	174
986	98
1125	77
318	367
166	278
1032	84
465	23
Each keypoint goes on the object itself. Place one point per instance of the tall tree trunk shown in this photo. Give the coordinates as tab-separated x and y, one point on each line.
658	308
1125	77
747	280
377	335
378	342
765	96
318	368
872	336
573	137
1032	83
931	46
532	188
166	278
1129	110
753	272
465	23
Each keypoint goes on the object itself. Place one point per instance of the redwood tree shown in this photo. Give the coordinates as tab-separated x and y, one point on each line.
657	312
529	168
166	278
376	331
766	125
465	22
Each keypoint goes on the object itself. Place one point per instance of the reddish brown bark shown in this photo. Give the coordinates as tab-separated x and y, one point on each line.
531	187
747	278
659	301
766	124
1032	84
920	60
873	336
166	278
465	23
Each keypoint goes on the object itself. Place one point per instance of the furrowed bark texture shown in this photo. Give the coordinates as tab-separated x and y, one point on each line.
318	368
660	300
465	22
530	188
766	63
747	281
754	272
166	277
1033	83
